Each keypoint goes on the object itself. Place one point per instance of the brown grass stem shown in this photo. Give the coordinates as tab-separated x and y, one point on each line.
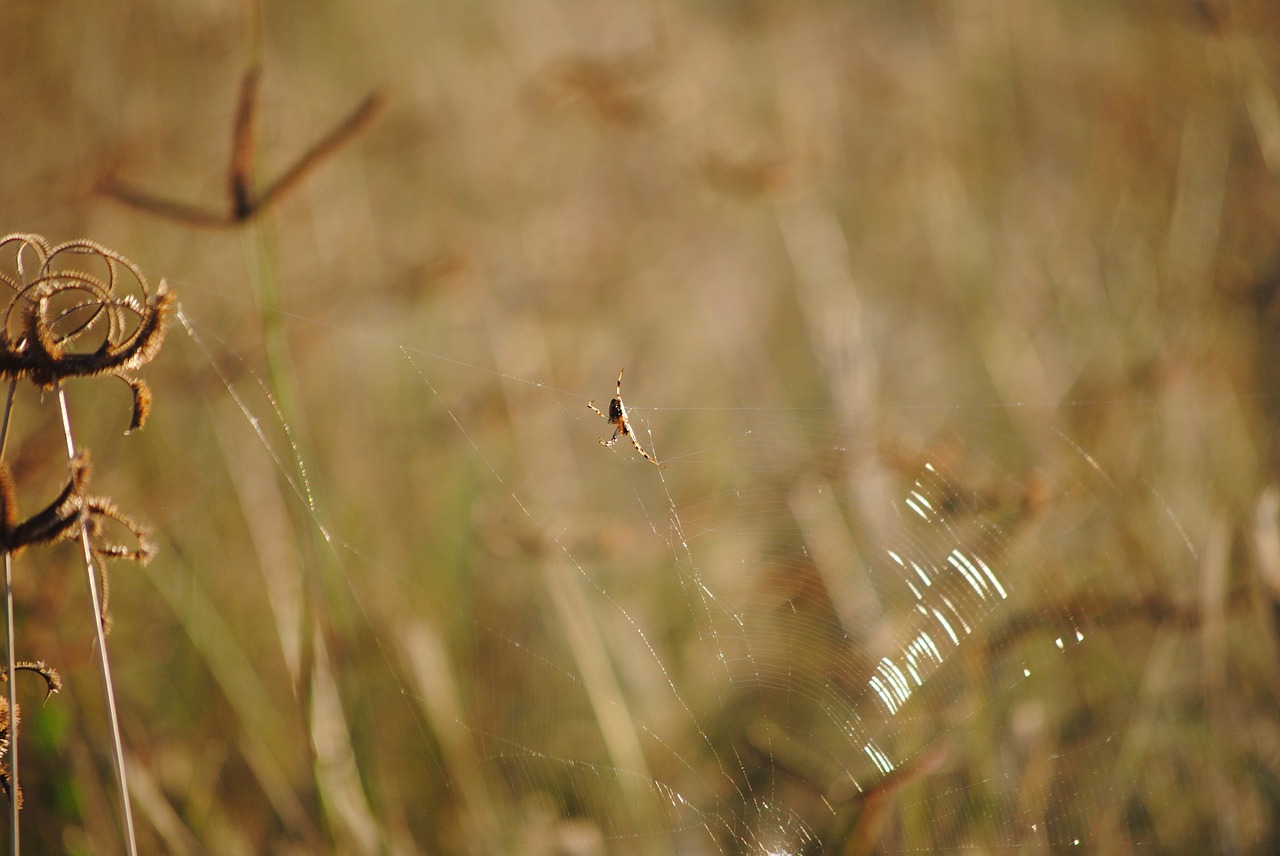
245	204
117	745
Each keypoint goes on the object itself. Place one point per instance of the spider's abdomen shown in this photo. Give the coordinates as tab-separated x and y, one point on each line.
616	413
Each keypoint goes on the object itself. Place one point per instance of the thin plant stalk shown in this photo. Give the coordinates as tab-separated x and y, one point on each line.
117	744
316	692
280	379
15	842
15	845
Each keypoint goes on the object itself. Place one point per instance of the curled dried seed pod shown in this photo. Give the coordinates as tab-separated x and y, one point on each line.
53	683
57	520
52	680
98	513
64	321
63	517
99	510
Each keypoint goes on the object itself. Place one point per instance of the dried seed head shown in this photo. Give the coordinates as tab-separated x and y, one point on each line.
67	317
57	520
53	683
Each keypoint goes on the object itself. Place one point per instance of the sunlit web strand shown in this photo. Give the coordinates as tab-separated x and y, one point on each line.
582	571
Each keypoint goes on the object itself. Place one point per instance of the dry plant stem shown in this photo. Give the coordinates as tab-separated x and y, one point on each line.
240	175
15	842
258	255
246	203
15	845
344	801
359	119
117	745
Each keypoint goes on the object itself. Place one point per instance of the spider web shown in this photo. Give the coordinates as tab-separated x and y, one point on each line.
795	637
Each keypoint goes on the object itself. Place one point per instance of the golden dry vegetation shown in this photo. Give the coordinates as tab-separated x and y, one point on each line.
1019	258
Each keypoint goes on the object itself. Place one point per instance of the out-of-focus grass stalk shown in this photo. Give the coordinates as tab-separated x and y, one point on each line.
574	615
1266	539
334	769
441	704
263	726
117	746
258	253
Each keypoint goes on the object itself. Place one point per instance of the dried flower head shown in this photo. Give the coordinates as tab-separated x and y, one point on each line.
62	519
68	318
53	683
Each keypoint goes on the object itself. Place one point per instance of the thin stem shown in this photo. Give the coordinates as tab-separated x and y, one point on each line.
15	843
283	385
15	846
117	744
8	411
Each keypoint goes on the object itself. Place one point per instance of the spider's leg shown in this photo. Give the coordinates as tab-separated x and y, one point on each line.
611	440
631	435
591	405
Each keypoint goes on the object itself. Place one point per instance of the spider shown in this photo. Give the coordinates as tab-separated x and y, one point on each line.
617	417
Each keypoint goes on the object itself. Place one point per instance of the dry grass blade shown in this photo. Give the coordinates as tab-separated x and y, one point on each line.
245	203
240	179
359	119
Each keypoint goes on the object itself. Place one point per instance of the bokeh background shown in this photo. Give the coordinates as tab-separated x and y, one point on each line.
406	603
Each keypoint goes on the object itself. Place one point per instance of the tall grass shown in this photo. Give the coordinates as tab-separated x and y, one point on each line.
830	242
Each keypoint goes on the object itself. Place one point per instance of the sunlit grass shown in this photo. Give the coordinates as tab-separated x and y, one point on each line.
830	243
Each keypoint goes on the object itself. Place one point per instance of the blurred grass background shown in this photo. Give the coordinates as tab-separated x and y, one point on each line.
1045	231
